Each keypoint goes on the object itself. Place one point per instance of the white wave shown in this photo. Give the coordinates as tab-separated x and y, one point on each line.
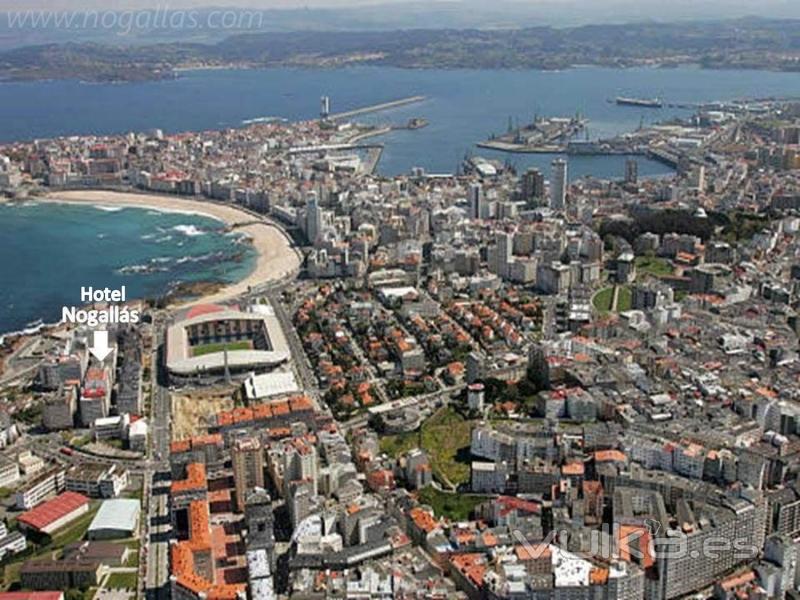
129	269
190	230
199	257
101	236
108	208
148	236
37	326
140	269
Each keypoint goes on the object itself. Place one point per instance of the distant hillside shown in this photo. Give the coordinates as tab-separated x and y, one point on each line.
751	43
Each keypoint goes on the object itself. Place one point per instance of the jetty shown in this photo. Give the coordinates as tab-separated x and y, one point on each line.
374	108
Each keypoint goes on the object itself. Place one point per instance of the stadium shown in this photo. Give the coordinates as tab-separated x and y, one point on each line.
214	342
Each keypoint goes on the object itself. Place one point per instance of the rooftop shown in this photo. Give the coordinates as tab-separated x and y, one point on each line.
52	510
180	359
122	513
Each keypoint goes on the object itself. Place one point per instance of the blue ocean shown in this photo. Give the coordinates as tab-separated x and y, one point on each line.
463	107
51	250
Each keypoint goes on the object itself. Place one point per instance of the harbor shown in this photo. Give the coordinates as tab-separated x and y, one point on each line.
356	133
542	136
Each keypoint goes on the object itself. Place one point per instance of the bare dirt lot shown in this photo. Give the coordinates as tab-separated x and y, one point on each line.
191	410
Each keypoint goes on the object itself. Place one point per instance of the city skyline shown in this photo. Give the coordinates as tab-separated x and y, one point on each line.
332	306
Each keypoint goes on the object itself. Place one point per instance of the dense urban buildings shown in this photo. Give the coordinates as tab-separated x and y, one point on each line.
487	385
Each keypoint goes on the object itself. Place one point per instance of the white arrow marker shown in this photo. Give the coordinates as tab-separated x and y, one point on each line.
100	348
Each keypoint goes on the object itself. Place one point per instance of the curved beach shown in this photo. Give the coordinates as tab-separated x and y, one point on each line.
276	260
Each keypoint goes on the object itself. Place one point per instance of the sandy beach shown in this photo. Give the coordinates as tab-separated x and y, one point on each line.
276	259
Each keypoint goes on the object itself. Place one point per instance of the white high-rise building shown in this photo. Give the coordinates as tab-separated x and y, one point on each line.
503	252
558	185
476	201
313	217
631	171
300	464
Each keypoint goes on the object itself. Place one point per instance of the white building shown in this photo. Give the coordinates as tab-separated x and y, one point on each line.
11	543
107	428
558	185
42	488
475	397
9	472
137	435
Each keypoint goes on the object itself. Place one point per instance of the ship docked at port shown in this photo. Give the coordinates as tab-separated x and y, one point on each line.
640	102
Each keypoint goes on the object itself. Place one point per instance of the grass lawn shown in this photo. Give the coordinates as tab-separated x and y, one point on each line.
395	445
75	530
80	441
446	438
133	553
653	265
219	347
602	299
78	594
456	507
625	299
10	574
136	494
122	581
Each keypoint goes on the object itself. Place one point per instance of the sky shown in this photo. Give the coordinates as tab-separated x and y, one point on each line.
177	4
389	14
642	5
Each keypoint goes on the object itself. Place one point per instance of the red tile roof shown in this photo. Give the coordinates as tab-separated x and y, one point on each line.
203	309
610	456
195	479
32	595
52	510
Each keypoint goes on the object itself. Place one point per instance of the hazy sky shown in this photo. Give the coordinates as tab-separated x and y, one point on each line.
611	10
127	4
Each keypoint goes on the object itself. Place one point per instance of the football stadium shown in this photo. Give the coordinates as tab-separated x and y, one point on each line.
214	342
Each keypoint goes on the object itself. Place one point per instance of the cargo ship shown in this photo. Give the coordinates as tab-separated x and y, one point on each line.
642	102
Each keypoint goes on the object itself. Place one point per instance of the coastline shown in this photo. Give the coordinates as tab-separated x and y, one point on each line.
276	256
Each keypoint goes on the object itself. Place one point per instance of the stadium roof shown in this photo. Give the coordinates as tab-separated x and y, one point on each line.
53	510
121	514
179	352
203	309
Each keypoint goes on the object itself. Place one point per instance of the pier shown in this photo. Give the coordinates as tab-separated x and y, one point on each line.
371	159
543	136
331	148
375	108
